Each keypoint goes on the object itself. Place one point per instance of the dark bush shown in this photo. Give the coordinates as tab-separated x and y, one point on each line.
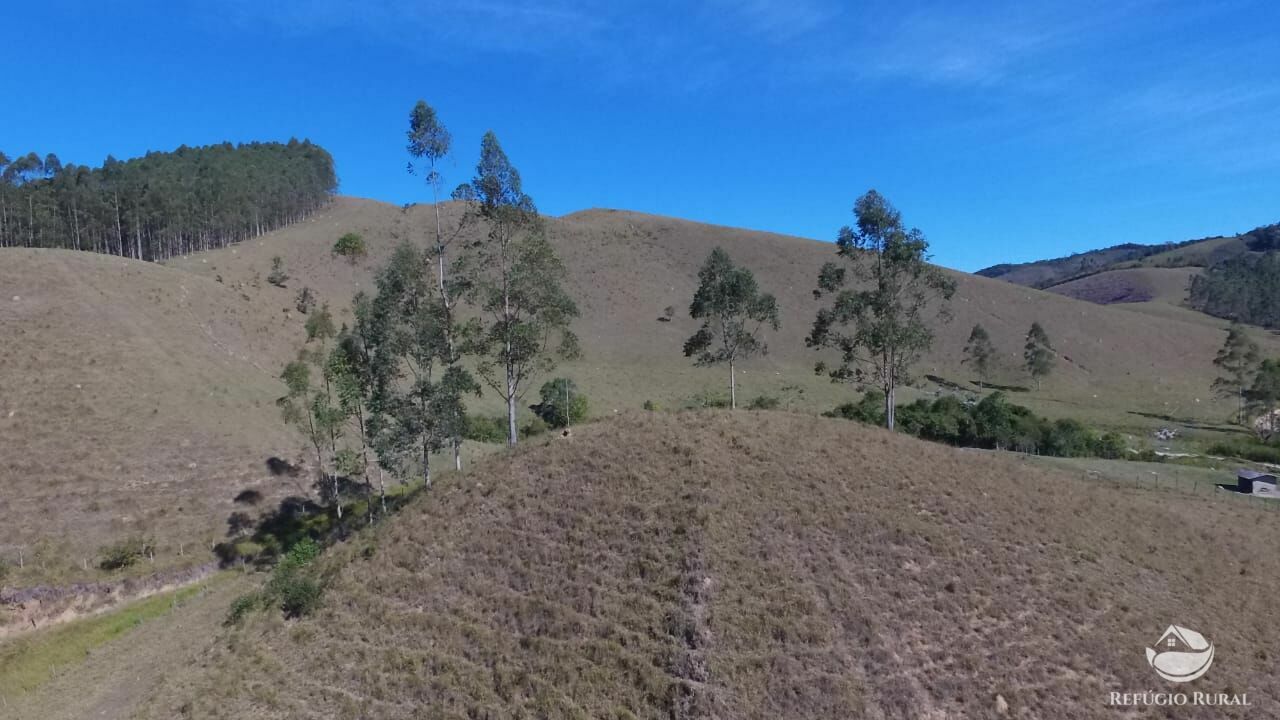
125	553
562	403
299	595
481	428
764	402
241	607
1248	450
351	246
869	409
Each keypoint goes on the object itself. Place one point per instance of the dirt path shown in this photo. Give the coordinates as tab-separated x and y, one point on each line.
115	678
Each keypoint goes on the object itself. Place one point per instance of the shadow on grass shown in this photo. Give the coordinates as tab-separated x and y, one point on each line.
262	541
1002	388
1192	423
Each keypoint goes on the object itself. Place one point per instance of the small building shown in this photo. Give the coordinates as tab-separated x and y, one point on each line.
1252	482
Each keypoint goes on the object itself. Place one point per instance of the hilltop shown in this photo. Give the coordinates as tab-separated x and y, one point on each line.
757	565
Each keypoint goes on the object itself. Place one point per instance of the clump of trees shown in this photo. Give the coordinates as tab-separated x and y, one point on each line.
993	423
1245	288
733	312
164	203
387	392
879	293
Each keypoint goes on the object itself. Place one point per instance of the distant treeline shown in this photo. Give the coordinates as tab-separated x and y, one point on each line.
1245	288
165	203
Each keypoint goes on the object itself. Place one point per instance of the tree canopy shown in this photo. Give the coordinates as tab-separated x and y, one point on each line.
164	203
733	312
879	295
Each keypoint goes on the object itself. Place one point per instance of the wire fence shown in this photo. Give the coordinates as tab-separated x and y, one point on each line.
1190	481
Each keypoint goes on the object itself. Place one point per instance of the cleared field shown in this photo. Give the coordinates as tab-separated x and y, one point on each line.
760	565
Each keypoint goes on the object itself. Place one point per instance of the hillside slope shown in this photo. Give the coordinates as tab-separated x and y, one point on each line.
625	267
1132	285
759	565
134	400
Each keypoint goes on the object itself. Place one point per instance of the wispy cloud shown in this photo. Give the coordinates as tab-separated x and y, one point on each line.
1101	73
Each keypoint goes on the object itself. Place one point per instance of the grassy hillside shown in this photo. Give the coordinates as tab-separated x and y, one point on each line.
142	396
626	267
1132	285
134	400
1045	273
758	565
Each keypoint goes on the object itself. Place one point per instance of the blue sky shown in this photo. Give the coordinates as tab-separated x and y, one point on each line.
1005	131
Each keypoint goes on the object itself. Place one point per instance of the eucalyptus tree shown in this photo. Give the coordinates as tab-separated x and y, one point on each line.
1238	361
733	312
420	406
979	352
1038	355
513	279
879	293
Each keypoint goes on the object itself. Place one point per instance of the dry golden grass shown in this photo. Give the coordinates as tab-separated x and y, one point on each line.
760	565
626	267
134	400
137	399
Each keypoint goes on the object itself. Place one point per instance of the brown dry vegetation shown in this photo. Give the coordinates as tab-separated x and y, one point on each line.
134	400
759	565
137	399
1132	285
625	267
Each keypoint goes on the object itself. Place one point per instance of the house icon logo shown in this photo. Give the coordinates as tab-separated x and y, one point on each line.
1182	655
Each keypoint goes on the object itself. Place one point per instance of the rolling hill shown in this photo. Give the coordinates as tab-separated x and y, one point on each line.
626	267
142	397
757	565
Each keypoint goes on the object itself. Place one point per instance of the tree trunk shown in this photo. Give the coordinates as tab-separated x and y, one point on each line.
733	389
382	490
457	453
888	406
512	435
426	463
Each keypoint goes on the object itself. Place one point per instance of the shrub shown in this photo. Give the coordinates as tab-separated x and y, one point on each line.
291	586
869	409
1248	450
1069	438
562	403
125	553
707	399
481	428
241	607
1109	445
305	300
277	276
535	427
299	595
351	246
651	406
764	402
